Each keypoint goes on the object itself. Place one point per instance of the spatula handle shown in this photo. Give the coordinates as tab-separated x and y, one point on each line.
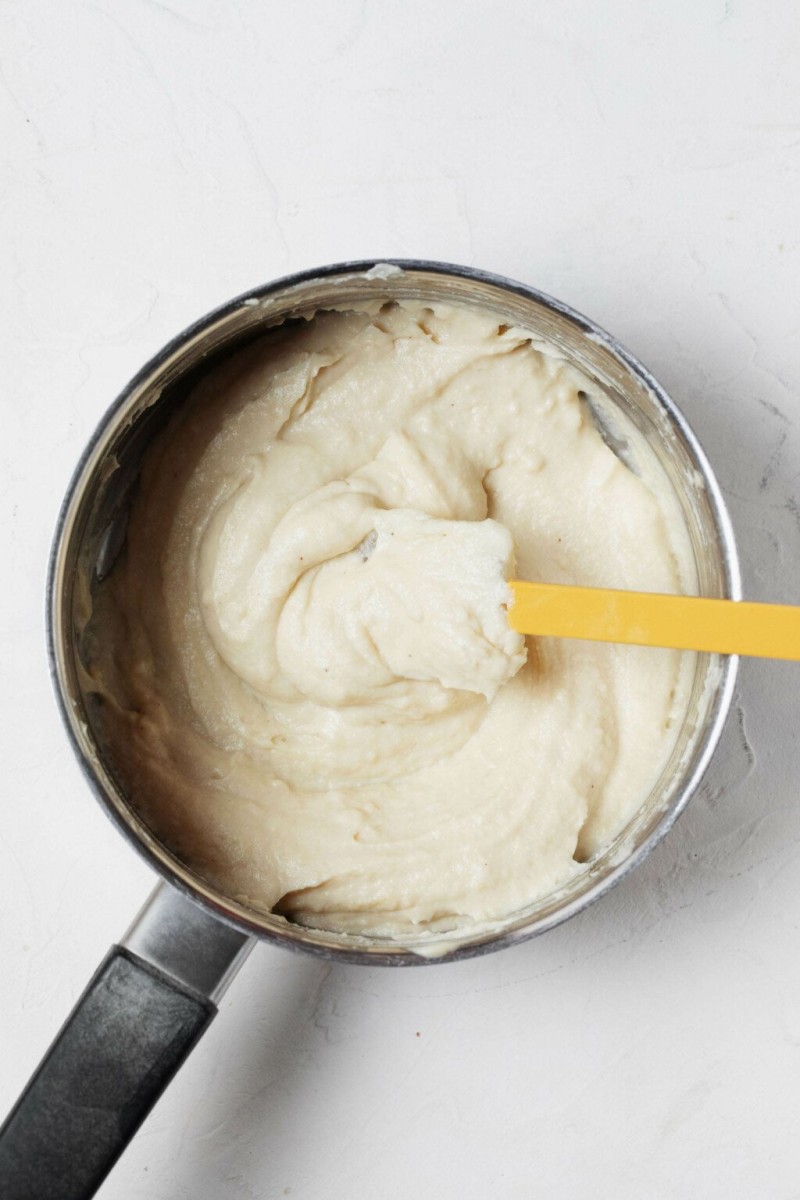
649	619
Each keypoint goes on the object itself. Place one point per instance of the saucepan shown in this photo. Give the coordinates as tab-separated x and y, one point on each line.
158	989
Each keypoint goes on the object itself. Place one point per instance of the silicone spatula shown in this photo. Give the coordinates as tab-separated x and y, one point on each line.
648	619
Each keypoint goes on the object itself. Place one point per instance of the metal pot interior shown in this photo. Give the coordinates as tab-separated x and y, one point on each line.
91	532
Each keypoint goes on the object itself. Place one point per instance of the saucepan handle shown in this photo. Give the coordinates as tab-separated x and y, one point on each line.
147	1005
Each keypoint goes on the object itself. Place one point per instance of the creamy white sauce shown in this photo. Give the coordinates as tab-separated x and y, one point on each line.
308	676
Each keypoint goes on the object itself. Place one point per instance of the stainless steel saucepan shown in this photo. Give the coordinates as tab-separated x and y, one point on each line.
155	993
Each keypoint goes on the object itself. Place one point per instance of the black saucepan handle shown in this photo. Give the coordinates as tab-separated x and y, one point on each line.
124	1040
147	1005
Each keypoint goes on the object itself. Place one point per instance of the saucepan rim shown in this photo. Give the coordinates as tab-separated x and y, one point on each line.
349	948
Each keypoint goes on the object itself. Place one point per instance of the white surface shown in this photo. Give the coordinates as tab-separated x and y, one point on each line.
640	161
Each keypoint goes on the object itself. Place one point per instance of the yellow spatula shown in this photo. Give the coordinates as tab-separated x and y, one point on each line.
647	619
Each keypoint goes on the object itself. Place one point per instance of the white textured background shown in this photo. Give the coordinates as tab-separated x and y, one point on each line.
642	162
